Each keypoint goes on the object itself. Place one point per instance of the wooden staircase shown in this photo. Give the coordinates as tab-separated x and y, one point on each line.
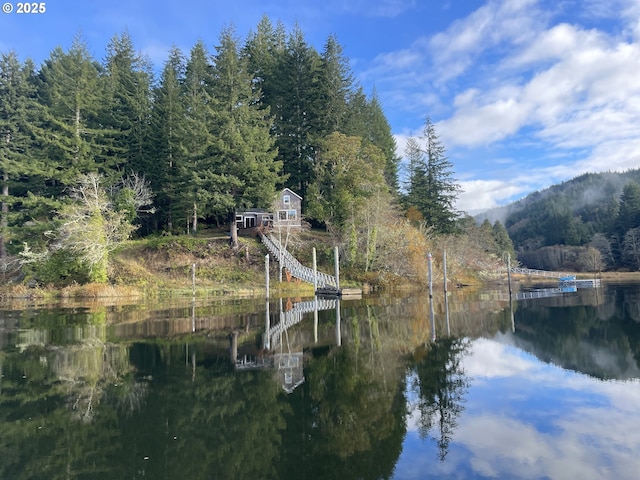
295	268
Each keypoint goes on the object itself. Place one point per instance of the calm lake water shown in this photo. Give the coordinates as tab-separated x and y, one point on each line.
386	387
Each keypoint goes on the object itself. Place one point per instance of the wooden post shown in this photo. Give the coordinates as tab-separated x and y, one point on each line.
193	315
337	267
509	272
446	314
430	258
233	350
433	321
267	327
315	271
193	280
280	267
266	272
338	322
315	317
444	270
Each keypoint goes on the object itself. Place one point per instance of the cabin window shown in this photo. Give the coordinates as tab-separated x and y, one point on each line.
292	215
282	215
286	199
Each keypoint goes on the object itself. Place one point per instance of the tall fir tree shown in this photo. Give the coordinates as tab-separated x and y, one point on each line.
262	51
381	136
22	172
243	150
416	183
200	106
126	86
297	104
168	131
69	90
336	87
432	188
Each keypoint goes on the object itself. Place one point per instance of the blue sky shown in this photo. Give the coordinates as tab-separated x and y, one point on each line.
524	93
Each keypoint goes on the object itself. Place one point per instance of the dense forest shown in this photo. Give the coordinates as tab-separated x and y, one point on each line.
589	223
93	152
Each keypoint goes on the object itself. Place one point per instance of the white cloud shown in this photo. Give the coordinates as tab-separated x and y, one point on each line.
496	24
569	88
480	195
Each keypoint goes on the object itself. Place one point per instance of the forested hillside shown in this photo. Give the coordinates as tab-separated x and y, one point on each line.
93	152
588	223
97	149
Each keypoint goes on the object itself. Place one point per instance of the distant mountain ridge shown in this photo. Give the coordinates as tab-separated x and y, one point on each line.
573	213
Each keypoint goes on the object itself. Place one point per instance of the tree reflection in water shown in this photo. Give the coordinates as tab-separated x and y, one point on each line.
438	388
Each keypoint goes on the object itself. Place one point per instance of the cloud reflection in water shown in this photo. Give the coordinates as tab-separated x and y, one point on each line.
527	419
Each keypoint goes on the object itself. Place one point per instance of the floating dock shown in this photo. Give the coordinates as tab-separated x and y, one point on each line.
580	283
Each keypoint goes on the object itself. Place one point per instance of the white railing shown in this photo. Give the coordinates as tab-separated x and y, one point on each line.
295	315
539	273
294	267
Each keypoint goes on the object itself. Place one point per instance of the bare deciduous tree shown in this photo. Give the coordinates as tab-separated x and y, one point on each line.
91	227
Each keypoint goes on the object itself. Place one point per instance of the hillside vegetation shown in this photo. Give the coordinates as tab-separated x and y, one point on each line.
96	153
589	223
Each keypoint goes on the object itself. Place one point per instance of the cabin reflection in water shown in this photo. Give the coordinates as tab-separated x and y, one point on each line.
278	354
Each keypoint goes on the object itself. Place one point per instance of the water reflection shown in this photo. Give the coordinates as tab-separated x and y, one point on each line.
383	387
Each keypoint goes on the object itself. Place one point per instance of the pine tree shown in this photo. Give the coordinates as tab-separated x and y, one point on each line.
348	172
629	210
380	135
262	52
246	172
503	241
416	183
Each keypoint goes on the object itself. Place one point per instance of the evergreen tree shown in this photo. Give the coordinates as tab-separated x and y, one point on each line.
246	172
503	242
296	115
416	183
199	105
348	172
22	173
69	91
432	188
381	137
126	86
365	118
262	52
629	210
336	87
169	130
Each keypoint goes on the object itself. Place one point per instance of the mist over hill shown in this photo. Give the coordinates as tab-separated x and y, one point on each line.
594	212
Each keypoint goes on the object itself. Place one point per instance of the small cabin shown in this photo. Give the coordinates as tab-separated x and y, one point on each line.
255	217
287	211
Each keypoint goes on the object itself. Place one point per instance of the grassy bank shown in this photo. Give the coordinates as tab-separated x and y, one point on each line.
163	267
